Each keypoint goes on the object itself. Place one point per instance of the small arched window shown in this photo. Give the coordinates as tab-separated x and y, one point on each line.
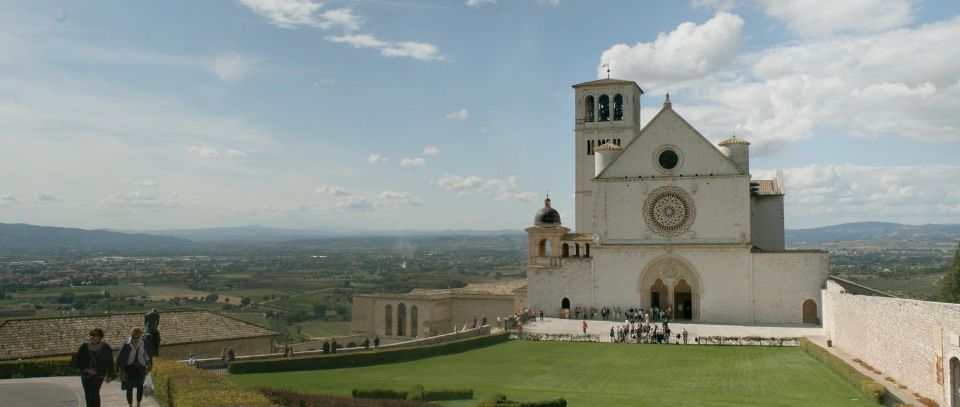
566	250
587	250
604	111
388	320
588	108
576	249
618	107
544	248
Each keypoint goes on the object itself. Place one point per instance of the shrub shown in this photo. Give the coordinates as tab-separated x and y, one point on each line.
869	387
179	385
43	367
293	399
456	394
499	400
379	394
365	358
415	393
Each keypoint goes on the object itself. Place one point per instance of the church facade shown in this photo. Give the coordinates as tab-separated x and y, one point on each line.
667	219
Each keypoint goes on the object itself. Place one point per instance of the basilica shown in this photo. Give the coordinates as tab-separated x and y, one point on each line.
667	219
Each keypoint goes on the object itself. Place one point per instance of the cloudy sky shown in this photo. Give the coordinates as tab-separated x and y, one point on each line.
447	114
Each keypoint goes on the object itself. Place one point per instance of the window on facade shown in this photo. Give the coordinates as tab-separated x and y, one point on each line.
388	320
586	250
589	147
566	250
618	107
604	111
588	109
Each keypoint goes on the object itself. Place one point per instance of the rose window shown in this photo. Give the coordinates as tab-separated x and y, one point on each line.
669	211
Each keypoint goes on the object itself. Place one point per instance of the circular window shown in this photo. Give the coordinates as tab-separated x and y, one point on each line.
669	211
668	159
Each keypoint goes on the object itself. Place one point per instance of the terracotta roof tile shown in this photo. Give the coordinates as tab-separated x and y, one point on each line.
39	337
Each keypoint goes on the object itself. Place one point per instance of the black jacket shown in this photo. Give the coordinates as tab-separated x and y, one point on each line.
101	360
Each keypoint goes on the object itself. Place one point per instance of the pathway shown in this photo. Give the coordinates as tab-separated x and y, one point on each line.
572	326
63	391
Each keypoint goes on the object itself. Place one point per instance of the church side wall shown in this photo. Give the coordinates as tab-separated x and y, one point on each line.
362	315
783	281
910	340
546	287
766	220
722	215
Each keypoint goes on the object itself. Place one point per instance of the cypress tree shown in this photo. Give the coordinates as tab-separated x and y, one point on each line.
950	288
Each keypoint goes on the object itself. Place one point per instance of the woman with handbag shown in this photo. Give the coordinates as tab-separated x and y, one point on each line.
133	362
94	362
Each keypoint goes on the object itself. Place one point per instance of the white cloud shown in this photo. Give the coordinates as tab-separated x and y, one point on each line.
48	198
295	13
203	151
827	17
431	150
324	82
376	159
494	187
355	203
332	191
413	162
417	50
902	82
688	52
461	114
478	3
143	199
232	152
399	198
146	183
232	66
8	200
851	193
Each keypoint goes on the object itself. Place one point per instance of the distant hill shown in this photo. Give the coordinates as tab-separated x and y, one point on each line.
23	237
878	233
261	234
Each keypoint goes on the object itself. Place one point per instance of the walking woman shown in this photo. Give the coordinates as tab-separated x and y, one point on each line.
94	362
133	362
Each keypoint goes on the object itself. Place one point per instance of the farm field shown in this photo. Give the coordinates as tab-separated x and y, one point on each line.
317	328
599	374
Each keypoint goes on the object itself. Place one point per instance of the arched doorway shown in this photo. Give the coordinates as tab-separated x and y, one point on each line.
955	382
810	312
388	320
413	321
682	300
669	282
401	319
658	294
565	308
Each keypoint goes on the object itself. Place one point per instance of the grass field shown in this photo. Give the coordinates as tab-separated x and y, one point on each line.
598	374
317	328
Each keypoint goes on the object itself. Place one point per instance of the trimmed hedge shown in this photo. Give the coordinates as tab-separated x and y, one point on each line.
292	399
366	358
379	394
499	400
179	385
43	367
415	393
869	387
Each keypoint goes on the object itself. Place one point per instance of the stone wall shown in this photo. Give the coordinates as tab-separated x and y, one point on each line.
212	349
783	282
910	340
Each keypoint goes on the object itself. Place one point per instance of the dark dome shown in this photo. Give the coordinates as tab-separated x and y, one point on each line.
547	216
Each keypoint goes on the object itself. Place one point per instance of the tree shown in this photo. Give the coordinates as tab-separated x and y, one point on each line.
245	301
213	297
950	287
320	310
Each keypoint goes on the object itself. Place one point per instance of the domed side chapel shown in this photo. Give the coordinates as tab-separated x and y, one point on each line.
666	219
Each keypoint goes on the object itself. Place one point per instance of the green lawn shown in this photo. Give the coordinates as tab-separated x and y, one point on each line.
599	374
317	328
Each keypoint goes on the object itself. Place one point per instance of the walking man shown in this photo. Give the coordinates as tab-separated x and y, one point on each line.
583	325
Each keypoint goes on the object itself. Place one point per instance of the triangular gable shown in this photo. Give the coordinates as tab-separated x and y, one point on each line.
699	155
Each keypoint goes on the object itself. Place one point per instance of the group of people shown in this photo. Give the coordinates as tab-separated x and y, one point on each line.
525	315
630	314
645	332
95	364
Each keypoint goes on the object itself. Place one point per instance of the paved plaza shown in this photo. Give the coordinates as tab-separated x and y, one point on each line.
572	326
64	391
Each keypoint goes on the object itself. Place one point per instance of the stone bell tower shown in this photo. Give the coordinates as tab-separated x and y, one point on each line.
607	111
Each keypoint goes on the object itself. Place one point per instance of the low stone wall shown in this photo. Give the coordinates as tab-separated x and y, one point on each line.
912	341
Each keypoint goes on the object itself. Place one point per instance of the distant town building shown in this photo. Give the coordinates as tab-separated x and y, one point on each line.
201	333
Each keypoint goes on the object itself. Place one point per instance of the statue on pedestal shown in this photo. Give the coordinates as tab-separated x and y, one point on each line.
151	332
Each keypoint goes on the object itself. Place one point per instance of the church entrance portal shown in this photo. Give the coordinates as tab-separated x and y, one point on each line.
565	308
671	284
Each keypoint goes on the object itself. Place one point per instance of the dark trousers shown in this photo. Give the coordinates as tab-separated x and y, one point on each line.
139	394
91	390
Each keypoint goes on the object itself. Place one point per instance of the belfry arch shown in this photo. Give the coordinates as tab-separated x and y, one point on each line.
671	279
